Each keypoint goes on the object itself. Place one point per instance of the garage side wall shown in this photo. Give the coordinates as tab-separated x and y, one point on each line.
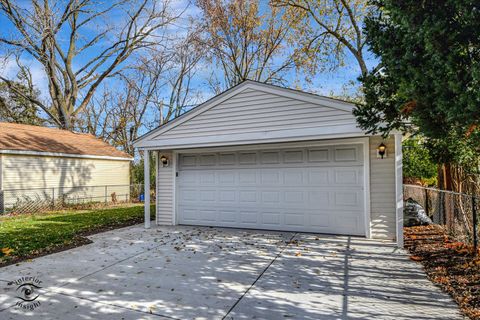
165	190
382	190
44	177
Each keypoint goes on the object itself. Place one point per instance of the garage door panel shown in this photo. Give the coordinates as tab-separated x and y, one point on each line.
228	216
271	218
247	177
227	177
246	158
270	157
294	177
320	221
318	155
270	177
190	215
347	199
294	218
227	196
248	217
208	215
293	156
318	198
346	154
208	195
207	178
249	196
318	177
295	197
271	197
305	189
188	195
187	179
188	160
227	159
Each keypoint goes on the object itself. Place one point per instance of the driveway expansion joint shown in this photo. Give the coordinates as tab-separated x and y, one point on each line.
279	253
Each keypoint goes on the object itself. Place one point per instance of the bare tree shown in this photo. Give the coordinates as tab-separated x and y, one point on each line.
328	27
185	61
14	107
245	43
78	46
153	91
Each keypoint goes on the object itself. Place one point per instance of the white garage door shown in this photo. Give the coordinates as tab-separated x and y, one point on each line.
317	189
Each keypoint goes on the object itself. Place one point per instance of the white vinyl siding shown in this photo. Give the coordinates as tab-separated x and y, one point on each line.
165	190
254	115
382	190
65	175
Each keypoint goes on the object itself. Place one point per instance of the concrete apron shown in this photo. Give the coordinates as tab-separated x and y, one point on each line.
215	273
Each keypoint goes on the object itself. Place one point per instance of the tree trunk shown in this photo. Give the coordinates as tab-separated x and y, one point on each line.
445	183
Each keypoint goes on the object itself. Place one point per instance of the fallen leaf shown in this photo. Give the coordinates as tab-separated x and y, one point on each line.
416	258
7	251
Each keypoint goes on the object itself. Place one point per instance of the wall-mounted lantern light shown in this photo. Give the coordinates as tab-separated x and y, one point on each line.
164	161
382	151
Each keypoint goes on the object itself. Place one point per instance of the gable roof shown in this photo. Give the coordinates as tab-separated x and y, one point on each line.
189	119
28	139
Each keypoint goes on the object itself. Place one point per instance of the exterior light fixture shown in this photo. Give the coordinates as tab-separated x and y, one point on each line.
382	151
164	161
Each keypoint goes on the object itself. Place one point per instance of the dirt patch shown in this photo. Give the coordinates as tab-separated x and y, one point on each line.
448	263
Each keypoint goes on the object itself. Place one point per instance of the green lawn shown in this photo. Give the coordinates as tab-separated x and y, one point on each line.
30	235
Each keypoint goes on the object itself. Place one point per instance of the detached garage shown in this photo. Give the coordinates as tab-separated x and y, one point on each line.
265	157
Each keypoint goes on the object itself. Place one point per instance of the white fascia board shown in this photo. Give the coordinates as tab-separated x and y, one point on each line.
330	131
273	146
187	144
60	154
289	93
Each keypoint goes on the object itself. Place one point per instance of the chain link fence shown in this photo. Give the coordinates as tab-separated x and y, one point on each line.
35	200
456	212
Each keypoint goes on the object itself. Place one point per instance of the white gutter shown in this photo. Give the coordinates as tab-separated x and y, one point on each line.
60	154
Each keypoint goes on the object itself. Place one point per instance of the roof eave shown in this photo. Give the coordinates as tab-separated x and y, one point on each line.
64	155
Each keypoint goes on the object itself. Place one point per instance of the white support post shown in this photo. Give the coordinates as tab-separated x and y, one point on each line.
157	155
399	189
146	173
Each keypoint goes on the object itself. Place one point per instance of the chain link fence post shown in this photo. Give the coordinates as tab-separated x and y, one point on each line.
2	208
53	198
475	231
106	195
426	202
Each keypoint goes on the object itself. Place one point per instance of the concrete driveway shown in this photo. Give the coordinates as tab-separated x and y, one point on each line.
214	273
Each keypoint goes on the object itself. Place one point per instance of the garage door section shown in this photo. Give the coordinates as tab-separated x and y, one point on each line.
317	189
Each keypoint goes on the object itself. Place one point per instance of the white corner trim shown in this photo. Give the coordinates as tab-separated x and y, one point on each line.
175	187
156	187
60	154
366	181
399	190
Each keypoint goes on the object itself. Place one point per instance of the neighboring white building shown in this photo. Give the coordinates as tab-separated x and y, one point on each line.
39	162
265	157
